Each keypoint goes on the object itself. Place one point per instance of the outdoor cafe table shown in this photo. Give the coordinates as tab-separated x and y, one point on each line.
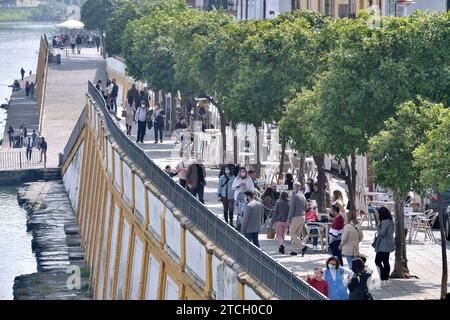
409	217
326	227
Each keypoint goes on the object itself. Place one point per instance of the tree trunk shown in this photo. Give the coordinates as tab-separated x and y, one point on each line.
258	155
235	143
173	112
301	170
350	181
283	155
444	279
321	178
102	44
401	262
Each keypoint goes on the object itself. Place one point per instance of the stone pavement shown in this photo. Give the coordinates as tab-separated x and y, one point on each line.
66	97
21	110
424	258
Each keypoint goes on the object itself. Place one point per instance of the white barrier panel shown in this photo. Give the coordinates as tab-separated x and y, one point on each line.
112	253
215	262
72	175
195	256
250	294
104	247
151	292
127	183
117	171
171	289
226	286
156	210
123	260
139	197
109	156
173	234
136	269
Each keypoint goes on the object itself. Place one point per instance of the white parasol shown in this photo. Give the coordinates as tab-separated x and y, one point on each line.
71	24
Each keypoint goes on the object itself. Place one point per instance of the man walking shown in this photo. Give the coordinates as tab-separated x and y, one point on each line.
296	219
11	136
134	97
196	179
22	72
29	148
78	42
34	137
114	94
43	151
253	218
141	119
158	123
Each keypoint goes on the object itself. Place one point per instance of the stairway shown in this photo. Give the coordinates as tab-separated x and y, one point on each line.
52	174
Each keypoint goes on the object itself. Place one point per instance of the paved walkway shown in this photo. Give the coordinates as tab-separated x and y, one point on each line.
21	110
424	259
65	97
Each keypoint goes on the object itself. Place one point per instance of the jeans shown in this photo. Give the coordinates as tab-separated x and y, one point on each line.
228	209
334	247
29	151
349	261
158	129
199	191
382	262
314	234
114	104
252	237
11	140
141	131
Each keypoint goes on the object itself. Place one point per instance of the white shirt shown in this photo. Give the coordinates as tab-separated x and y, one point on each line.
348	274
249	186
181	168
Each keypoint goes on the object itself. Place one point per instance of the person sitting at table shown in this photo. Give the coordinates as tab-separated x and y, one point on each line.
315	193
311	216
279	219
337	278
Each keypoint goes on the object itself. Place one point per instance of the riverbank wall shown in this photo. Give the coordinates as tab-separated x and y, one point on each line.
62	273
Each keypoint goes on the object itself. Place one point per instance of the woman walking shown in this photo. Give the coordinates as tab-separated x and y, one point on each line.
351	237
268	200
32	87
129	117
337	278
226	194
384	244
27	88
279	219
335	233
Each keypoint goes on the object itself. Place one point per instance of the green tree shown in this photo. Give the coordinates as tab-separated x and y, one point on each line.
432	159
393	163
94	14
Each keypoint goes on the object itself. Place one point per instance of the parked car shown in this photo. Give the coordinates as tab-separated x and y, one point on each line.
441	203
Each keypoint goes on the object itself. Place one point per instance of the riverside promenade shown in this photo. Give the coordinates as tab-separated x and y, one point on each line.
424	259
66	97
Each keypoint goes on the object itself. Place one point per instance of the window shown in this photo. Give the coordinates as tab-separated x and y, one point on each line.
329	8
347	8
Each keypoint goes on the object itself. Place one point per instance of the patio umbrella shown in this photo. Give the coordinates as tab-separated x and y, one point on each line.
71	24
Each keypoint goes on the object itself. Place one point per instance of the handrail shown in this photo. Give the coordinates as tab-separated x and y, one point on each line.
259	264
75	134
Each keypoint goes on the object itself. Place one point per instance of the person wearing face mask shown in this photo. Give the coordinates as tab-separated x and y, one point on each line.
226	194
241	184
141	119
337	278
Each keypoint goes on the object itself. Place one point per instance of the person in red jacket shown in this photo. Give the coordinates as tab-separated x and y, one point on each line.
317	282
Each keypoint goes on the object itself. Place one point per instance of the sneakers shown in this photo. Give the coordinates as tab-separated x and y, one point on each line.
304	250
281	249
384	283
293	253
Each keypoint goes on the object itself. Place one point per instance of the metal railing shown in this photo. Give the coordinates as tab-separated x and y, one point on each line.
259	264
75	134
17	159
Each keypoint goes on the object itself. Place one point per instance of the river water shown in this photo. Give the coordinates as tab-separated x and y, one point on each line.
16	257
19	47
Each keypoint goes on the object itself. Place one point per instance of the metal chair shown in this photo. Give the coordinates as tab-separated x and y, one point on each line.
424	224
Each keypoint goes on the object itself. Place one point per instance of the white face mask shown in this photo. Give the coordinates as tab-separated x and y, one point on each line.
227	172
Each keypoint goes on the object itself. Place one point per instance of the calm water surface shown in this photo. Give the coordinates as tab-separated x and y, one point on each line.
19	47
16	257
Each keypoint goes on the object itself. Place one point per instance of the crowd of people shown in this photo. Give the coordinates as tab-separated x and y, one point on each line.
23	140
76	41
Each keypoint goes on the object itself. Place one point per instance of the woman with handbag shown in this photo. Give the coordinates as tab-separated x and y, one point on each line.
279	219
351	237
384	244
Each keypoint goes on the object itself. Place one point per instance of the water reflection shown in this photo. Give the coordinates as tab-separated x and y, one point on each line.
16	257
